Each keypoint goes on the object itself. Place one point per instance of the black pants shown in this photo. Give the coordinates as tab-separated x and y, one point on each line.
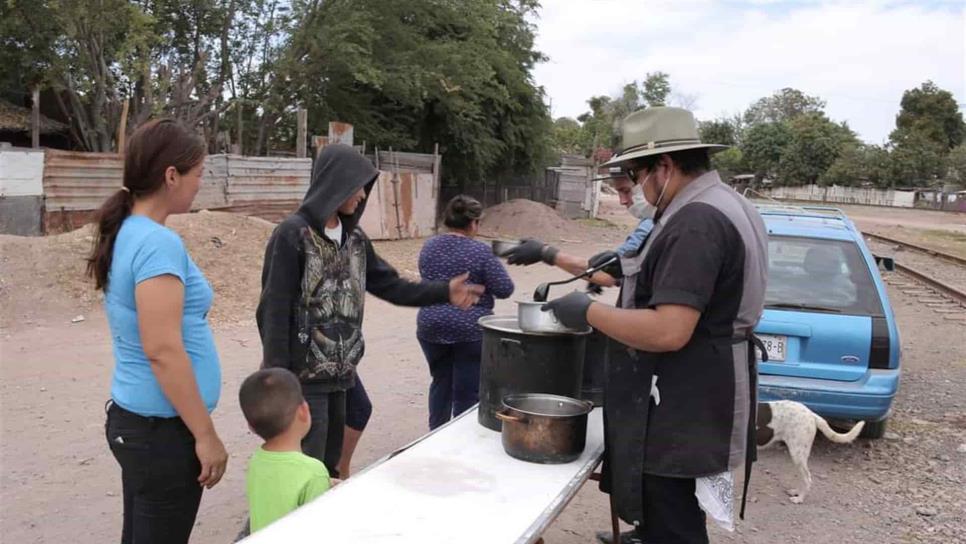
672	514
358	407
324	441
159	476
455	388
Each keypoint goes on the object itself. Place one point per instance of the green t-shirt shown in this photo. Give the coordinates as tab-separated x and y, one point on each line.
279	482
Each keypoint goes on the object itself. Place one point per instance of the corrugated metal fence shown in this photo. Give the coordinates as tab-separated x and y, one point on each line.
541	189
71	186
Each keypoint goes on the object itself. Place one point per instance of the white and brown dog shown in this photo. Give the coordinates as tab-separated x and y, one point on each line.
794	424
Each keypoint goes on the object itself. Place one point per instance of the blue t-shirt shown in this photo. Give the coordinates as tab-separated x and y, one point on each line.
143	250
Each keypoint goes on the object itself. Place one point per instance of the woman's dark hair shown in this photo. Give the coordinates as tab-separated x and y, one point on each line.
461	211
153	147
689	161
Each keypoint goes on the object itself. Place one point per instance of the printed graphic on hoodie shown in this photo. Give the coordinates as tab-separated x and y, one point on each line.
333	291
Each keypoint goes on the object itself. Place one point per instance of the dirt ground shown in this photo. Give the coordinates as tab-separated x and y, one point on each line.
58	481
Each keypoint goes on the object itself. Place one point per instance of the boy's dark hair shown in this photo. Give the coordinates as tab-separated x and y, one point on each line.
690	161
461	211
269	399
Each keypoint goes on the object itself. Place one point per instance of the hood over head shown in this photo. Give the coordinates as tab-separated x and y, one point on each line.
339	171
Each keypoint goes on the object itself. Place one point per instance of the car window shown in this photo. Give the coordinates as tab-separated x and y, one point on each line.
814	273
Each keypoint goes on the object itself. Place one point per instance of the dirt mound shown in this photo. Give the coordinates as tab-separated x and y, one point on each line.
525	218
43	277
521	218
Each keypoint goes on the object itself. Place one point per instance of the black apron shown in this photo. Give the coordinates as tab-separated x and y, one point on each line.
627	401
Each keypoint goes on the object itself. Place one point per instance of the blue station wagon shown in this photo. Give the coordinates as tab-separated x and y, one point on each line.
828	327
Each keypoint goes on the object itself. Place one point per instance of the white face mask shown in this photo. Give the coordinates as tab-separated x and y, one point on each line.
640	207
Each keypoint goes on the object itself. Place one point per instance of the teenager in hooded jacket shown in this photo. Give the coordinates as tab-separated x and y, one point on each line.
318	266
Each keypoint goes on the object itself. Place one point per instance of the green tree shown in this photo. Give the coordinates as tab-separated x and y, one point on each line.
915	160
602	124
783	106
719	131
729	162
569	137
933	113
956	165
763	146
410	73
814	143
165	56
655	89
855	165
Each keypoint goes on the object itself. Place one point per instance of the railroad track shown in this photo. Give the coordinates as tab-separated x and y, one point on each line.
955	259
942	297
950	292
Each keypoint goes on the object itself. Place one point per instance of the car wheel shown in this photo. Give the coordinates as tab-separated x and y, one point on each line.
874	429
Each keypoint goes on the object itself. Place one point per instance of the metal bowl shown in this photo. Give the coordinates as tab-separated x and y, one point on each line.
500	247
532	319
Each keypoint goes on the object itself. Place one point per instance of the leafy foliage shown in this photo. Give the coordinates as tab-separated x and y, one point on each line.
783	106
814	143
931	112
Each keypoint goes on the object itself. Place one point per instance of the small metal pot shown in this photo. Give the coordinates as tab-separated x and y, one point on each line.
542	428
532	319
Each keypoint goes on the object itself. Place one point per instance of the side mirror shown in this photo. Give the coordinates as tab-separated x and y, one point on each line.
887	263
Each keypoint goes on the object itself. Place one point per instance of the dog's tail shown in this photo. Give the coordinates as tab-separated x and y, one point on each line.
839	438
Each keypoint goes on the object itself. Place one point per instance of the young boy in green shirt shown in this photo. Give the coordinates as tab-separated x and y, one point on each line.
280	477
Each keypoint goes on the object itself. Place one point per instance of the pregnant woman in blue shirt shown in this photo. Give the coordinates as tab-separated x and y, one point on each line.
450	337
167	377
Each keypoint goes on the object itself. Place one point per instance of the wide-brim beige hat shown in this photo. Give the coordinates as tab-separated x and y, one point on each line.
658	130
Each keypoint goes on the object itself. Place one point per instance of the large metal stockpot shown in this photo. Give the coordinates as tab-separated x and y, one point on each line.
544	428
595	363
515	361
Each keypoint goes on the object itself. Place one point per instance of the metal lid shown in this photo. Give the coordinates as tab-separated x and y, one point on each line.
506	323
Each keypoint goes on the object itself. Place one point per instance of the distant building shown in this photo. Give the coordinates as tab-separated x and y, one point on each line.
15	128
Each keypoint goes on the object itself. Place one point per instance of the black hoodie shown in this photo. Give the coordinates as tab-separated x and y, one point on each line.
313	289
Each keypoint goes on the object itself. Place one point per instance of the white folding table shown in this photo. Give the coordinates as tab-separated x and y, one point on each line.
455	484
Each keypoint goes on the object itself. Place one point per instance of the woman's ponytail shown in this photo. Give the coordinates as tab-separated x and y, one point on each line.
109	219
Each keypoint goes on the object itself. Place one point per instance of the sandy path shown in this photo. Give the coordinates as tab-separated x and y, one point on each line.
60	484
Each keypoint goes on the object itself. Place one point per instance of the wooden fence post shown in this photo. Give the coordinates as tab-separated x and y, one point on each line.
239	147
122	126
35	118
303	117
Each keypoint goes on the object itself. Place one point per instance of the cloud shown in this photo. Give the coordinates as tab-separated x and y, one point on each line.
859	56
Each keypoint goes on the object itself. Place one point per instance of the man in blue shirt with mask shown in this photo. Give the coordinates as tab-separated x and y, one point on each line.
631	196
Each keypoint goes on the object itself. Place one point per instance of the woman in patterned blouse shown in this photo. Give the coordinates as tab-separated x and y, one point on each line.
450	337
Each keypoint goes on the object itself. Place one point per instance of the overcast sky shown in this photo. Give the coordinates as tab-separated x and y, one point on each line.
857	55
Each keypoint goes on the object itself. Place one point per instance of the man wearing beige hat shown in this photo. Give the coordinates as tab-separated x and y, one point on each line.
681	382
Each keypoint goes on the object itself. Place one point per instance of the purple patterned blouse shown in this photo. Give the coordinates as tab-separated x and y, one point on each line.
444	257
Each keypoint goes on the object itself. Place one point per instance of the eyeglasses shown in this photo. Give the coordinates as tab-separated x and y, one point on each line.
633	171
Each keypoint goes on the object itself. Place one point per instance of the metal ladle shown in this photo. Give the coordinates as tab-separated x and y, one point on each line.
543	290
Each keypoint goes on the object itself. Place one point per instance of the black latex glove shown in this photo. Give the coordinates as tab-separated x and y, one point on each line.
531	251
570	310
594	289
615	270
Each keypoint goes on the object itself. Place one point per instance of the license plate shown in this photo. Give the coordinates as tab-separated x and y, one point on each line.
775	345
